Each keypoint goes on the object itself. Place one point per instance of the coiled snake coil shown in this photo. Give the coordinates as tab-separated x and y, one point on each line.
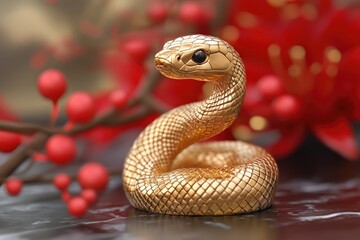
167	171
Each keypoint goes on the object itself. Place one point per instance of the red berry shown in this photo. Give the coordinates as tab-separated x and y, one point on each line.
13	186
118	98
89	195
192	12
93	175
157	12
52	84
77	206
270	86
80	107
61	149
62	181
9	141
286	107
65	196
137	48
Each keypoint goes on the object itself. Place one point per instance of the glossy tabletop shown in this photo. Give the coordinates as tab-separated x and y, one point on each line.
318	198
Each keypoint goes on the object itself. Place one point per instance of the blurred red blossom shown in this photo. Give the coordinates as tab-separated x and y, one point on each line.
310	48
302	61
300	58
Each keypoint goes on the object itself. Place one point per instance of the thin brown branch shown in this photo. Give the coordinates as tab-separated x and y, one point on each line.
139	107
139	113
155	104
23	128
143	97
15	160
99	120
148	83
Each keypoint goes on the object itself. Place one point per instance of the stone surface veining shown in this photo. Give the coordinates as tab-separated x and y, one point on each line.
309	204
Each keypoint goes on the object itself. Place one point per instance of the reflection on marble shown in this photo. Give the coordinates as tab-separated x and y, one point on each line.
35	215
312	202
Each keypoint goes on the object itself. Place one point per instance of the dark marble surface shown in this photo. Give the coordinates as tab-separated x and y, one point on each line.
318	198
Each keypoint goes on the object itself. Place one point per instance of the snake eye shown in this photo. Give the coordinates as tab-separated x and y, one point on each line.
199	56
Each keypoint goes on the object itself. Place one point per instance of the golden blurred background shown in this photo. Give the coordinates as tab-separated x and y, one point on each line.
27	26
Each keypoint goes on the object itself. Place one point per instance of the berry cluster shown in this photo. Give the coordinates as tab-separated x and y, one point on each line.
92	177
60	148
301	78
90	117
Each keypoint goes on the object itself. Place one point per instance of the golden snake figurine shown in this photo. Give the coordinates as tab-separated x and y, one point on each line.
167	171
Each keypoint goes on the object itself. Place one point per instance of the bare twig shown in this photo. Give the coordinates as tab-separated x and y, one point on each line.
23	128
14	161
137	108
141	105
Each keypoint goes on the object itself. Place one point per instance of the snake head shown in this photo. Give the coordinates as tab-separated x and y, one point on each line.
198	57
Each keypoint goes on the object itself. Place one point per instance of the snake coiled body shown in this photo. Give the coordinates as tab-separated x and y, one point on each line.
168	171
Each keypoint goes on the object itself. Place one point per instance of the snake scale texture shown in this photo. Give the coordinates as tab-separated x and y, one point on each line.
168	171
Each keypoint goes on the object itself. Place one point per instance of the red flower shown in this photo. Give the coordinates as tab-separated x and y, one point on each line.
301	60
310	47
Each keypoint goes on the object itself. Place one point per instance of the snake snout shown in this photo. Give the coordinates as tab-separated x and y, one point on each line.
161	63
